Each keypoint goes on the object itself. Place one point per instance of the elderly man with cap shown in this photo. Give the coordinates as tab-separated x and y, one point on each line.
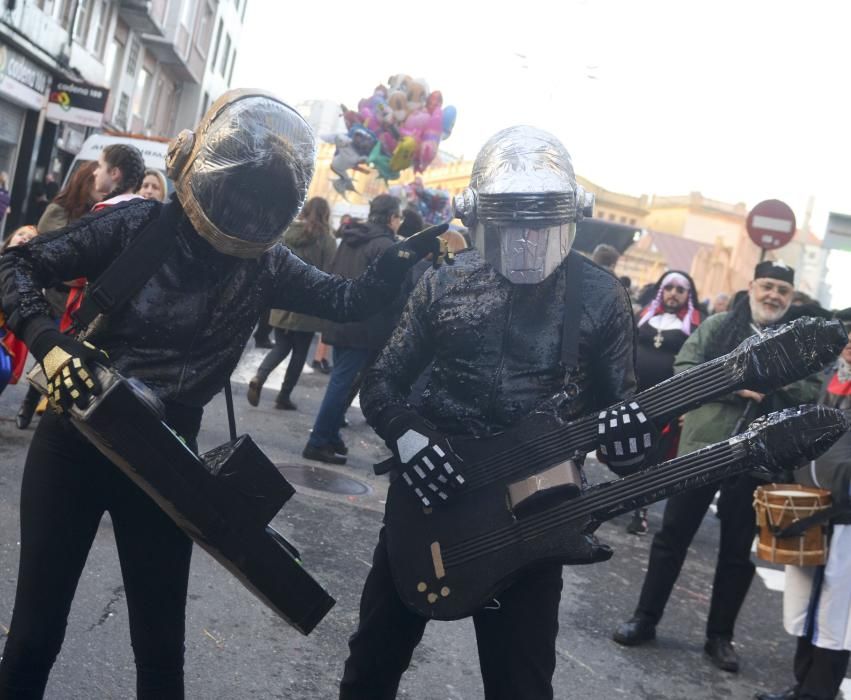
240	179
768	299
517	320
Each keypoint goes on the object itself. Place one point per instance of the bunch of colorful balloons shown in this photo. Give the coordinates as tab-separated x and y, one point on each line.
398	127
432	204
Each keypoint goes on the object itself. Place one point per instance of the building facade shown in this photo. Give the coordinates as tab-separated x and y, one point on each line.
163	62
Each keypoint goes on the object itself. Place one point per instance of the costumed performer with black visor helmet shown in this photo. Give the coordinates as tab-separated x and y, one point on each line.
240	179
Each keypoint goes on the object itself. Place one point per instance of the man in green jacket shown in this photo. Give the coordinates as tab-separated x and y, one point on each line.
769	297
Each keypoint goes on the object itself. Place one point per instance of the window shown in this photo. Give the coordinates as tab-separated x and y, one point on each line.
225	56
133	57
187	12
99	22
232	62
205	27
112	61
64	11
121	111
140	94
216	48
81	21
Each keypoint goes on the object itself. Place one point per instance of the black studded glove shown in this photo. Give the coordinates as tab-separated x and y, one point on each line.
429	466
394	263
625	437
68	365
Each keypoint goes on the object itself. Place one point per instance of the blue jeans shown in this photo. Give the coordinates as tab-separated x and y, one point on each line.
347	363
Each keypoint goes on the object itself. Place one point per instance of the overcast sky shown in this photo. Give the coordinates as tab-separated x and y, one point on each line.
742	101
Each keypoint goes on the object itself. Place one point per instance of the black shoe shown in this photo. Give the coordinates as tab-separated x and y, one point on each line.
255	386
721	653
638	524
25	415
322	366
322	454
339	447
283	402
788	694
637	630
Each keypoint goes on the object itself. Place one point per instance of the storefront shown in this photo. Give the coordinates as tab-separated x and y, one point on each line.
23	93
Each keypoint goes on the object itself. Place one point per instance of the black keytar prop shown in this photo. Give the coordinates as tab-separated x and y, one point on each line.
449	561
223	500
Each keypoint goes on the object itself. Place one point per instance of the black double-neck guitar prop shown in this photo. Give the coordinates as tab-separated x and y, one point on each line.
449	561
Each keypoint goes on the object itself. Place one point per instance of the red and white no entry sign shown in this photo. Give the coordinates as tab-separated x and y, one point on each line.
771	224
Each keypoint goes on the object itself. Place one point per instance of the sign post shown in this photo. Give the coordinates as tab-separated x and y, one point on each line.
771	225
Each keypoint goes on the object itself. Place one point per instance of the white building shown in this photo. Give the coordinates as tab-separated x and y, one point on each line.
163	61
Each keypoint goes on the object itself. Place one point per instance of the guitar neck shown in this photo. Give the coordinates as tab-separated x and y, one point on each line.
661	403
606	501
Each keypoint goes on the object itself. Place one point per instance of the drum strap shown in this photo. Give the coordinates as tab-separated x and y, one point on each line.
797	528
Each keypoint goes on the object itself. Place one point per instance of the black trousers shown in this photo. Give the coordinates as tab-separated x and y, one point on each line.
734	570
516	639
285	341
67	486
819	672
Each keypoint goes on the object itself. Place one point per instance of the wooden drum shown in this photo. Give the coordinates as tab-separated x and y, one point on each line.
779	505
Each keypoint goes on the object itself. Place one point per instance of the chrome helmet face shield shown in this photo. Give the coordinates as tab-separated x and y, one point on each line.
243	175
524	255
523	204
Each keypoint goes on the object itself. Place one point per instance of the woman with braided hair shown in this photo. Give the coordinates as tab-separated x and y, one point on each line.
120	171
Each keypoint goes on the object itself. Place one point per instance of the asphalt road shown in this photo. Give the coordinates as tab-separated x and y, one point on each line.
236	648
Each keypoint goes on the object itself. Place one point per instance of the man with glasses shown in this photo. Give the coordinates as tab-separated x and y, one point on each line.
663	326
769	297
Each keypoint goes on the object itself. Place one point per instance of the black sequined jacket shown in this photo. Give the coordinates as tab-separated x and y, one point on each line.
183	333
496	348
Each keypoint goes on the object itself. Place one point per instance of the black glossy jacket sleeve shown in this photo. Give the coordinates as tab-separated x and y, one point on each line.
83	249
306	289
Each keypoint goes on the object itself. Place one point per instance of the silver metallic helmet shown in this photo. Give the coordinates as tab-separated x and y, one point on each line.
243	175
523	203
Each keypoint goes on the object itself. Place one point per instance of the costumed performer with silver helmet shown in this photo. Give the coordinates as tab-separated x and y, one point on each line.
240	179
492	325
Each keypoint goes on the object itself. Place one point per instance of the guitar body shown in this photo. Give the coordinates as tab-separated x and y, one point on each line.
418	540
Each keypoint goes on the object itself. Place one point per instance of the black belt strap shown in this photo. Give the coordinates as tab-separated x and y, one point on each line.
131	269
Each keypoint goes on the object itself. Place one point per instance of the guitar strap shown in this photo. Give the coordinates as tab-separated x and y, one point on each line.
129	272
131	269
572	315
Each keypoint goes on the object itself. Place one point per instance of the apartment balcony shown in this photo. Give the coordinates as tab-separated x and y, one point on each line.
177	52
144	16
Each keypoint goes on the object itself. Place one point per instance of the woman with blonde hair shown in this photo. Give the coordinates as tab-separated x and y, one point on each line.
154	185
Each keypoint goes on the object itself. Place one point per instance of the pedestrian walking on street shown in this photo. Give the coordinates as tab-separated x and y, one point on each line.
355	344
310	238
768	298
